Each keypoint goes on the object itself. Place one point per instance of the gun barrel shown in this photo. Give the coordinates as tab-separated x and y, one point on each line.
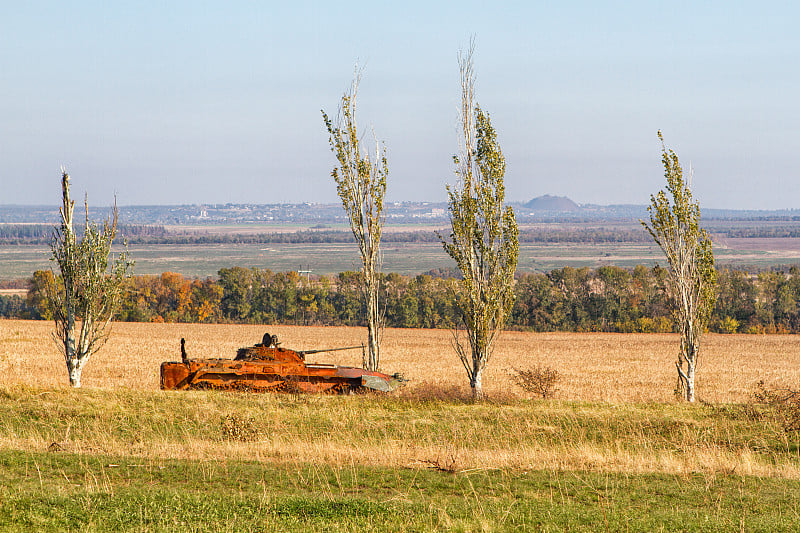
308	352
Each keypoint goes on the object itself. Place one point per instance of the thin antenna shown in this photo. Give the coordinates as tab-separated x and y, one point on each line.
306	272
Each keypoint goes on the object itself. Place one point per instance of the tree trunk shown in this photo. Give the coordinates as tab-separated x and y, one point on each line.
372	340
690	382
374	325
476	381
75	367
74	361
692	347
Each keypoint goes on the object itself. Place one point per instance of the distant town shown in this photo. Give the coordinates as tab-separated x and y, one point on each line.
545	208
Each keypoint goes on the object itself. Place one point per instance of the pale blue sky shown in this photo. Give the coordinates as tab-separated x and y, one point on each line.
202	102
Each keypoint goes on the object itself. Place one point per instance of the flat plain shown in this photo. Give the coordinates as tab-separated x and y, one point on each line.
202	260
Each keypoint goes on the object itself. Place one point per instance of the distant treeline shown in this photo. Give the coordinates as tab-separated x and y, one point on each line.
598	235
763	233
608	298
133	234
139	234
43	233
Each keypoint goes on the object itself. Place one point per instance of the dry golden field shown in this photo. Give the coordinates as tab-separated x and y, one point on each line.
594	366
614	412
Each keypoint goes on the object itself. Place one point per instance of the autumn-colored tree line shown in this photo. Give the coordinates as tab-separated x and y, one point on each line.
568	299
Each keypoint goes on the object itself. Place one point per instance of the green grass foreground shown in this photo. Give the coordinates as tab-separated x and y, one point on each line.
97	460
71	492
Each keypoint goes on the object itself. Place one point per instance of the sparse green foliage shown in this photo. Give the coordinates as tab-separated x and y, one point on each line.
86	294
361	185
484	237
691	280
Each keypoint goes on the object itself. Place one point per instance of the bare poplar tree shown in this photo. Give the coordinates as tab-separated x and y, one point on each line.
361	184
484	237
691	279
84	297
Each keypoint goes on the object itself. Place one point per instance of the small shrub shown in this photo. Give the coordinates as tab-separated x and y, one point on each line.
727	325
756	329
235	427
784	400
539	380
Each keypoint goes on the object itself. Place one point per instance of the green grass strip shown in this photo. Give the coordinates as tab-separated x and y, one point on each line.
58	491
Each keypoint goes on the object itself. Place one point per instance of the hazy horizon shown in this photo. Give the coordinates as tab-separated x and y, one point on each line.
336	202
193	103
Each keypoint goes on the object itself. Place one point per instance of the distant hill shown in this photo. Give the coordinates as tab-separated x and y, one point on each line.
552	203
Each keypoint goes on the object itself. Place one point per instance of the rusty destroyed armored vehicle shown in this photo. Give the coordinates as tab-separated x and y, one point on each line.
268	367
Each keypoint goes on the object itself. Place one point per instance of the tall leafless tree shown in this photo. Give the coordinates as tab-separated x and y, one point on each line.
691	279
86	294
484	236
361	184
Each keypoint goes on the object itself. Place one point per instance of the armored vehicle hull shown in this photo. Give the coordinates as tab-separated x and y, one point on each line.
267	367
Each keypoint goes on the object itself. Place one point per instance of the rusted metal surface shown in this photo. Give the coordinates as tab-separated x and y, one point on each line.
268	367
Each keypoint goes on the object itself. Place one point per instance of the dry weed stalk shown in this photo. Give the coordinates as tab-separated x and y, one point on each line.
448	464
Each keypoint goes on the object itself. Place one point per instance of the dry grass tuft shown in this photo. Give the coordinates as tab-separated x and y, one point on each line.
239	428
432	391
